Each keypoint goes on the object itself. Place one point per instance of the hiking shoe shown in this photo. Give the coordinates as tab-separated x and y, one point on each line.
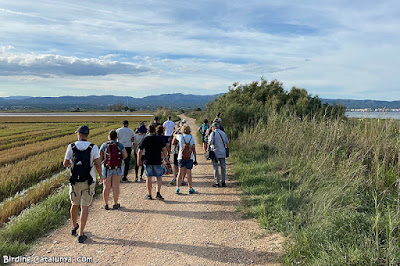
116	206
125	179
215	185
177	190
191	190
183	183
223	184
106	207
148	197
159	197
173	181
73	231
82	238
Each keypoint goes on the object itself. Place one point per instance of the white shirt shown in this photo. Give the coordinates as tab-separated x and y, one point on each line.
217	140
83	145
181	143
169	127
125	135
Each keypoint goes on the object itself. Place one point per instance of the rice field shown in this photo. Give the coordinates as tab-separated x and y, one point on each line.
32	150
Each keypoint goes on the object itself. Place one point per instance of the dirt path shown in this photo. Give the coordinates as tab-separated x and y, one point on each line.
199	229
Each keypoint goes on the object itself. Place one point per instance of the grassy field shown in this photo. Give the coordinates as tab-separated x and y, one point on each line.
31	153
331	186
32	150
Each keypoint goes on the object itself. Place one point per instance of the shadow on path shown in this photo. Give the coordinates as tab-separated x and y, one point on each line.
214	252
212	215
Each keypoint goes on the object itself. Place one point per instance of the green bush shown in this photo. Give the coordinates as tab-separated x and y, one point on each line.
244	106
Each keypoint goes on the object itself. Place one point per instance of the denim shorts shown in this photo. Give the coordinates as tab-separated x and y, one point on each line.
185	163
109	172
153	170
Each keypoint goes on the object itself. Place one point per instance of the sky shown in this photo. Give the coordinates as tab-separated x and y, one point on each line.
333	49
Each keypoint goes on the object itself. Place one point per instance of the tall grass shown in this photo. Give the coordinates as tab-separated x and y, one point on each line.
332	186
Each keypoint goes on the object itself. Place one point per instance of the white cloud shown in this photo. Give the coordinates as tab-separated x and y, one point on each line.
333	48
48	65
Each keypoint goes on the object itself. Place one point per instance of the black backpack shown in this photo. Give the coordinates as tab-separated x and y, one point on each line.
80	169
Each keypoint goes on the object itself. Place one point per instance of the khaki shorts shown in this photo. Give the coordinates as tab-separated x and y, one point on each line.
81	194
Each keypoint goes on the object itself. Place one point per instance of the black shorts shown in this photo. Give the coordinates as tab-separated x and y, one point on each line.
176	159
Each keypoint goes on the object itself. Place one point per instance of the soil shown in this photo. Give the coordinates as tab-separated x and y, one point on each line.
204	228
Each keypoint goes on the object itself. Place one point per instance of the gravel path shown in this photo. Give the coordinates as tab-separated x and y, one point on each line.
199	229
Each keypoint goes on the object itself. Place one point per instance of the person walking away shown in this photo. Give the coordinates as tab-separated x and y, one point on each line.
112	153
125	137
169	127
153	146
160	130
175	152
83	157
204	136
155	122
139	136
187	151
218	142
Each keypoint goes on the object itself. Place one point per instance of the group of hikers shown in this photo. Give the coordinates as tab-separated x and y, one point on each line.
151	147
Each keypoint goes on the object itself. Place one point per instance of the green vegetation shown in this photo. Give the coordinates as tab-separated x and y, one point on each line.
328	183
247	105
32	151
20	234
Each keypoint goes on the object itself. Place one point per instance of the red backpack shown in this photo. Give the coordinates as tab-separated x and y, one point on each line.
186	149
112	156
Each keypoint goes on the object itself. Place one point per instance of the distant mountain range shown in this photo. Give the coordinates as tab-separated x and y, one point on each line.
361	104
176	100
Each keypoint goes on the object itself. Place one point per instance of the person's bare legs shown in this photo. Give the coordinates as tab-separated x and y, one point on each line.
182	173
149	185
115	179
84	217
205	146
189	177
106	189
74	214
159	183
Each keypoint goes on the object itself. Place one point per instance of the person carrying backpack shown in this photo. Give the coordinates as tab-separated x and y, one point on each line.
83	157
126	138
139	136
112	154
219	143
187	151
204	136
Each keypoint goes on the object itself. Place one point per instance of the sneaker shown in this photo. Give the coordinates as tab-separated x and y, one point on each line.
159	197
125	179
173	181
223	184
177	190
82	238
191	190
148	197
215	185
183	183
136	179
73	231
116	206
141	179
106	207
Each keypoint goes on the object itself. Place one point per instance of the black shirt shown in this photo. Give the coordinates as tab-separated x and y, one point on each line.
153	146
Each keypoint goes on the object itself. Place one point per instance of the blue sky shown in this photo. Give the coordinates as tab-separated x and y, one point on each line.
334	49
